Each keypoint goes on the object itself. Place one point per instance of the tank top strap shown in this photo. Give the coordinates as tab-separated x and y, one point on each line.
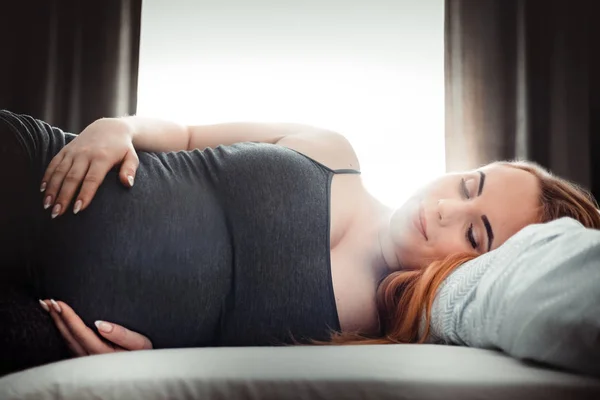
333	171
345	171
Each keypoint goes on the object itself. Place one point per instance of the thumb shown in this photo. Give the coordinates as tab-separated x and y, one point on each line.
128	168
123	337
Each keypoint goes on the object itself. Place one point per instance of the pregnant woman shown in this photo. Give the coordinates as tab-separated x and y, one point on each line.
233	234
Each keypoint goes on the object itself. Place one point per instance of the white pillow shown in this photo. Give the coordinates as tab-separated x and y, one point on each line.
536	297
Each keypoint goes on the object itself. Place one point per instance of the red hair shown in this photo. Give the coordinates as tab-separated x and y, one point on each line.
403	296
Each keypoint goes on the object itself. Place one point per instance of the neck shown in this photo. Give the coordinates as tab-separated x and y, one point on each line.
388	254
385	259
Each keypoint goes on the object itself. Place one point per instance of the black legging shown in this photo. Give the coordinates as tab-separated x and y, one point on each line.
28	336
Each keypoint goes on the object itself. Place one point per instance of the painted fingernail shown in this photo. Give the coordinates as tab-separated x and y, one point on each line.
43	187
55	211
44	305
130	180
47	202
56	306
77	206
104	326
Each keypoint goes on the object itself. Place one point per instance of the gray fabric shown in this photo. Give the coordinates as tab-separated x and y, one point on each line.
423	372
535	297
226	246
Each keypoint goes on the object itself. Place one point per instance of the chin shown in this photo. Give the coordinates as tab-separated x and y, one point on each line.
403	233
408	256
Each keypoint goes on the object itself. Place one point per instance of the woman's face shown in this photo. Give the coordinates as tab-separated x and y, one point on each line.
473	211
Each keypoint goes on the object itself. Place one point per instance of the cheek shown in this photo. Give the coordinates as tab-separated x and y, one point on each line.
413	254
449	243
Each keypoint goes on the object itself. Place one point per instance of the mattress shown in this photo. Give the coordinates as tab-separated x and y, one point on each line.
412	371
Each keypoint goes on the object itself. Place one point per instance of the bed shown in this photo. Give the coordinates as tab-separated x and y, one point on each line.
412	371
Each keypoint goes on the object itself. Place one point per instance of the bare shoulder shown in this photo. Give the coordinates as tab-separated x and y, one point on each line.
329	148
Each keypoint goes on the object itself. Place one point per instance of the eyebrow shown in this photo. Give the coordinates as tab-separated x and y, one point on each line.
486	221
488	230
481	183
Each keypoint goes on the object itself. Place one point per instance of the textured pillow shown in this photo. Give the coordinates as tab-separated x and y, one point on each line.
536	297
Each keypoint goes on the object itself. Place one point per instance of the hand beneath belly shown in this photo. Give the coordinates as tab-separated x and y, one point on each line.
83	341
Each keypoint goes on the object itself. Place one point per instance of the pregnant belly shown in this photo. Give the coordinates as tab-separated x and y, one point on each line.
155	258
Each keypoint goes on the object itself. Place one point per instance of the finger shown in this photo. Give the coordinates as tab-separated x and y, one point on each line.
55	184
51	168
129	168
86	337
123	337
72	344
71	183
92	181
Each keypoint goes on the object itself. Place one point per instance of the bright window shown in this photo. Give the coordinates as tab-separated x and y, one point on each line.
372	70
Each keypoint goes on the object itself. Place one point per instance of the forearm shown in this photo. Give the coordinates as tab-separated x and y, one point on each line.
156	135
149	134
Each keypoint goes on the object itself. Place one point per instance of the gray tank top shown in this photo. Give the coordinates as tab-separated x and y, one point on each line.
277	206
219	247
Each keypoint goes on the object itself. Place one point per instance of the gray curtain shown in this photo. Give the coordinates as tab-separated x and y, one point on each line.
522	81
70	62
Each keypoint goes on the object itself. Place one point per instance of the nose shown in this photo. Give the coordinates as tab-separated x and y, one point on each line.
450	211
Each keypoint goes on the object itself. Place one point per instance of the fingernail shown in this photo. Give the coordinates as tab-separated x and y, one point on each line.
55	211
77	206
44	305
56	306
43	187
47	202
104	326
130	180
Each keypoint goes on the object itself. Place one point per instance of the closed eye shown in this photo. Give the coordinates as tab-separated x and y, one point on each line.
463	188
471	238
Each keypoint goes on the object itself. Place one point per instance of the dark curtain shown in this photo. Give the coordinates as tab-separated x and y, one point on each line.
523	81
69	62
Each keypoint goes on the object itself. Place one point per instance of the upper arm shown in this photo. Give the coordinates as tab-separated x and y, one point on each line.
329	148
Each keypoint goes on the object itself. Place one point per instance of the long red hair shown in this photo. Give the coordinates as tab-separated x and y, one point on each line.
403	296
